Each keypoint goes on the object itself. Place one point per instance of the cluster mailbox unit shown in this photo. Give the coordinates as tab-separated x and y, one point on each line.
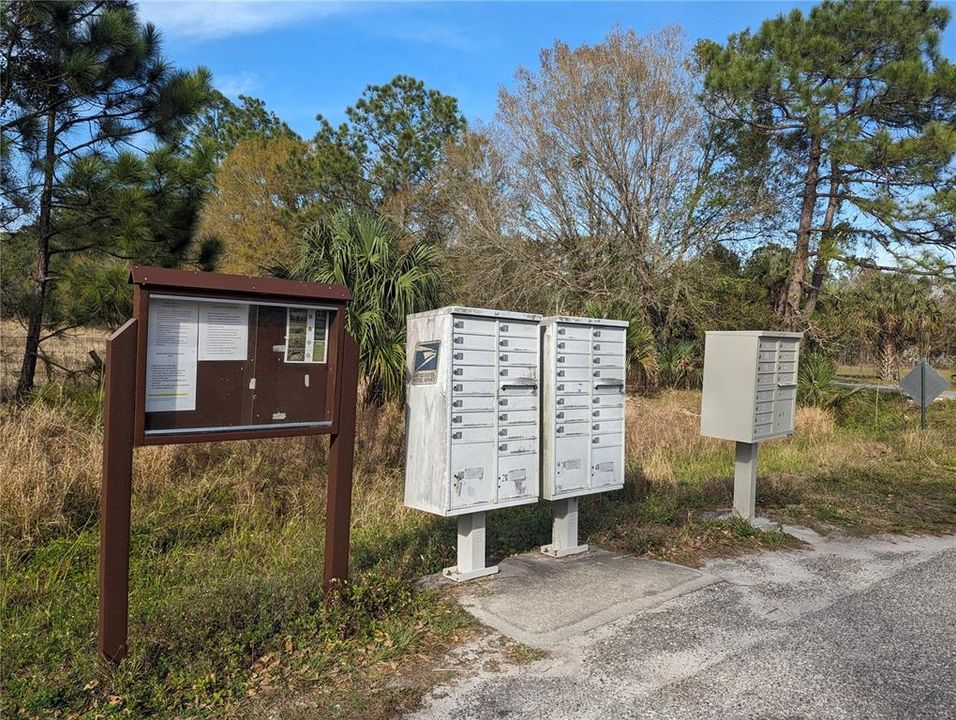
473	427
750	395
583	418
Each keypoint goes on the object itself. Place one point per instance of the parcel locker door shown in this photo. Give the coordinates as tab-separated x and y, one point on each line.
472	474
606	466
570	463
517	477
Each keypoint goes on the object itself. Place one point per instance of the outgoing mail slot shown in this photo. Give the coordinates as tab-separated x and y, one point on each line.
518	344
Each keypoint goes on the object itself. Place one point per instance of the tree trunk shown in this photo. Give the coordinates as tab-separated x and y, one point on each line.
823	249
789	308
888	360
41	268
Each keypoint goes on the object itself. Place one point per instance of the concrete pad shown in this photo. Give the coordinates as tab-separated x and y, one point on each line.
539	600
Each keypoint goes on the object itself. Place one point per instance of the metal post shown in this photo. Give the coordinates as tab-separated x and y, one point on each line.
745	480
564	530
922	394
115	493
338	508
471	550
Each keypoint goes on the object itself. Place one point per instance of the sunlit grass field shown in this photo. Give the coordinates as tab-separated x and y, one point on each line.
227	613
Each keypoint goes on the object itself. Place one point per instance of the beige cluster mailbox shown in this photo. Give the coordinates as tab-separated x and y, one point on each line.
473	445
750	395
583	373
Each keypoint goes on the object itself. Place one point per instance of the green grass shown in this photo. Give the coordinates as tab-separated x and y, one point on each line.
227	614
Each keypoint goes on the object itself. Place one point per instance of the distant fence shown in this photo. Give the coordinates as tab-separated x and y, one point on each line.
66	357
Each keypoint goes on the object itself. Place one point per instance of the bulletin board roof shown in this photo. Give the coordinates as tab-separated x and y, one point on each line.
156	277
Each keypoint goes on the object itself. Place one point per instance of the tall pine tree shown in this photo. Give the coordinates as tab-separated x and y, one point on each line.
82	80
853	103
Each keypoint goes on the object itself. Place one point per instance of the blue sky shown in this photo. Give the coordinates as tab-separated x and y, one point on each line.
304	58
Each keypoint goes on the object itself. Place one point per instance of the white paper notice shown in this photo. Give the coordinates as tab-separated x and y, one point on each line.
171	350
223	331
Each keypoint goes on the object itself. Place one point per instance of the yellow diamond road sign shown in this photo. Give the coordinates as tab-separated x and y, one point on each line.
926	389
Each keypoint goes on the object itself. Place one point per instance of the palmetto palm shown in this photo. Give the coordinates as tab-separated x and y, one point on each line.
388	278
898	311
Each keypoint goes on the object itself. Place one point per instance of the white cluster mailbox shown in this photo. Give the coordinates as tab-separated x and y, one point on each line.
583	373
750	395
473	430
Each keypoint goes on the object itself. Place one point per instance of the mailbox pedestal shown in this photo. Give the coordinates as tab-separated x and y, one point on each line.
472	420
750	395
583	372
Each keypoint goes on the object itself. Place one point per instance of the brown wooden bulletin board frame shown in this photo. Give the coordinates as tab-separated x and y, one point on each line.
124	423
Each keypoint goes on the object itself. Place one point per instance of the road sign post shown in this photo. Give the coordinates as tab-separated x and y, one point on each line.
924	385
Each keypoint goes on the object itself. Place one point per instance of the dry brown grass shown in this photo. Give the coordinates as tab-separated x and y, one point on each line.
50	462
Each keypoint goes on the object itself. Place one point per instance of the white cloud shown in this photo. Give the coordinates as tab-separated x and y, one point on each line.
235	84
213	19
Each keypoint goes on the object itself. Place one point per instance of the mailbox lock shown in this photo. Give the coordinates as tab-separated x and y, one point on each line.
503	446
458	371
503	401
503	433
503	373
595	441
561	331
560	387
456	436
560	346
504	328
596	400
597	346
456	419
503	357
458	355
561	358
503	416
456	387
597	361
459	339
503	342
596	413
596	426
459	323
560	414
560	429
560	401
597	373
456	403
597	333
560	373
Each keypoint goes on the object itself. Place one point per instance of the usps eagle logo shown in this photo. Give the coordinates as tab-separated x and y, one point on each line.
425	367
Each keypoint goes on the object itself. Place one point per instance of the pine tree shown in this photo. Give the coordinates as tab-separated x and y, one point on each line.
81	80
855	105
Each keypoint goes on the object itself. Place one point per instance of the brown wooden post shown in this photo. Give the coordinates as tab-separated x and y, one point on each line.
341	455
115	492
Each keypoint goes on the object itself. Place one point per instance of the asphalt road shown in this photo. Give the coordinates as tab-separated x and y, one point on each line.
846	629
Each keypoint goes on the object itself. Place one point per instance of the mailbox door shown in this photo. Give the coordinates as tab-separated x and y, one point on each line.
571	463
472	473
